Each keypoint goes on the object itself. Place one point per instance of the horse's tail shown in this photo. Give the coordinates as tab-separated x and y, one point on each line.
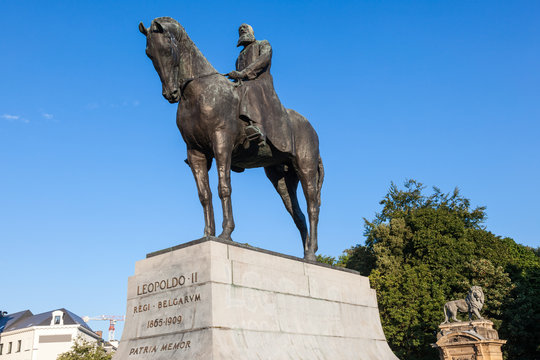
320	179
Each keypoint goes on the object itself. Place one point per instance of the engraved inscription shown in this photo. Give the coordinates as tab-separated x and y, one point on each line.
141	308
181	300
142	350
167	321
176	346
166	284
164	347
161	304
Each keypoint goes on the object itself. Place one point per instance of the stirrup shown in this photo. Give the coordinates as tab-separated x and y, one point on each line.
253	132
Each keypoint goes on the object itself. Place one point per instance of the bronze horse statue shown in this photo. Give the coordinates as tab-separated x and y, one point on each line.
208	120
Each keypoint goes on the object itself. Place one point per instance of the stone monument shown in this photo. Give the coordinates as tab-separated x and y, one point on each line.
214	299
220	300
468	340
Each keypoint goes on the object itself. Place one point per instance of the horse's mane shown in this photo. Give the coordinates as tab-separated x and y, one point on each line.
198	64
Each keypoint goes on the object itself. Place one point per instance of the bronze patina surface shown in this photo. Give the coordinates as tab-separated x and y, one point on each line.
240	124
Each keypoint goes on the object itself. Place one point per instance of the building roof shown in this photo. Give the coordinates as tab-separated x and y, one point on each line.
10	320
43	319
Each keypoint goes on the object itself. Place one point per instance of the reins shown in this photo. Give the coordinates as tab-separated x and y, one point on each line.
174	41
185	82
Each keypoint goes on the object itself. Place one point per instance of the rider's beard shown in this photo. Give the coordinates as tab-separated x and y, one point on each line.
245	39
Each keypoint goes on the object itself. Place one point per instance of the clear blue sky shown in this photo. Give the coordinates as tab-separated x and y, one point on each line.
92	172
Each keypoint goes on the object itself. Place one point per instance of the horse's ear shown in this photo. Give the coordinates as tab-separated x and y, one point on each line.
142	29
158	27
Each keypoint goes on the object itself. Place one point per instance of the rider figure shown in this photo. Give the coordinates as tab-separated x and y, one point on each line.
259	104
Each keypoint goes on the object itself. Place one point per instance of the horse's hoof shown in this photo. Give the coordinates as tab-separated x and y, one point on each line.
223	236
310	257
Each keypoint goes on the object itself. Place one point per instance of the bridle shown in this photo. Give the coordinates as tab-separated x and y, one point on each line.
183	83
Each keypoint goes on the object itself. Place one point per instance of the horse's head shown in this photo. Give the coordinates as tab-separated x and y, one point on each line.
162	48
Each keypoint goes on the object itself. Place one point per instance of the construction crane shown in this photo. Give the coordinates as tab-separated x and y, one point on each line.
113	319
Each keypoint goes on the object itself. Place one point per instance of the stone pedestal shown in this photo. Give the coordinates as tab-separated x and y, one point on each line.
215	300
474	340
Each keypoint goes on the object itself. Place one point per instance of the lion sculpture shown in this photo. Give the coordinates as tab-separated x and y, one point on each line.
472	304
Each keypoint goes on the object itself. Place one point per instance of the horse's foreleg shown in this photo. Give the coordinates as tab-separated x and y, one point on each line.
199	166
286	183
222	153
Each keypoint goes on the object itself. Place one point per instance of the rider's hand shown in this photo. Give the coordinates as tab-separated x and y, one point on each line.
235	75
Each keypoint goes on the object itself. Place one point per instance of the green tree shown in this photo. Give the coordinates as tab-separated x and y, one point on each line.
83	350
330	260
521	316
423	250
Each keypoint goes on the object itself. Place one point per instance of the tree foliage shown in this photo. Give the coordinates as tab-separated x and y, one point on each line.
521	316
423	250
84	350
330	260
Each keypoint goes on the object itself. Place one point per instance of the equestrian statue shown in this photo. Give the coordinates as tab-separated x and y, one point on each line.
241	123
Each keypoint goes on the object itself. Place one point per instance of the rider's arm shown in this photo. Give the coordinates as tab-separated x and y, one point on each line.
253	70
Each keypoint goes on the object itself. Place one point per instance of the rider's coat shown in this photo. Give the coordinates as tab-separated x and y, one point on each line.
258	99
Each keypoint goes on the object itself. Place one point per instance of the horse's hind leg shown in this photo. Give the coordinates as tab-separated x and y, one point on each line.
286	183
310	173
199	164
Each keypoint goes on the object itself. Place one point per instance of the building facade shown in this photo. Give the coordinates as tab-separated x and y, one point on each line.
25	336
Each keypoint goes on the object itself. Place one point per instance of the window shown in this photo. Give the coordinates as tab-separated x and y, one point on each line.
9	347
57	317
1	348
19	346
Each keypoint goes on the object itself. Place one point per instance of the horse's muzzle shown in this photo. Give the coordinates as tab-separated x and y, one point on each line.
173	96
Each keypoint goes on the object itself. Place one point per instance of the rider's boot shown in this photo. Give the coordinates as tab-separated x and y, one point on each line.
254	133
